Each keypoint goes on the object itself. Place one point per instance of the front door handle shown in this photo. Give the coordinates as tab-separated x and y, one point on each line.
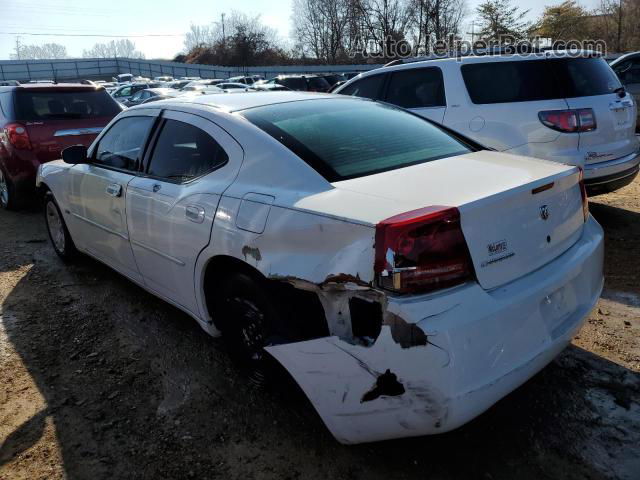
194	213
114	190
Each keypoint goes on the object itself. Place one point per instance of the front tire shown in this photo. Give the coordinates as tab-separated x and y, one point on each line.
59	236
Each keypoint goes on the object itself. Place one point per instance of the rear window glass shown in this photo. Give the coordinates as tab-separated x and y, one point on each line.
48	105
531	80
345	138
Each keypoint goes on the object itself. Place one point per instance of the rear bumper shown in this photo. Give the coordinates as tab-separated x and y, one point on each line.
604	177
481	346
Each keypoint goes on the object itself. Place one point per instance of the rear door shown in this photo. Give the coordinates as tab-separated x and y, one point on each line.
170	210
419	89
98	190
56	118
592	84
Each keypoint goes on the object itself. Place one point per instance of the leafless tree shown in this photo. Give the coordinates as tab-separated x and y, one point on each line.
39	52
124	48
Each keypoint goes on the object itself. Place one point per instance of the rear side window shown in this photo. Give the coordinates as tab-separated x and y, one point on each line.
544	79
52	105
184	152
519	81
368	87
121	147
364	137
415	88
293	83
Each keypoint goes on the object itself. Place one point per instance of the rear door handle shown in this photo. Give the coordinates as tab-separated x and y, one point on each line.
114	190
194	213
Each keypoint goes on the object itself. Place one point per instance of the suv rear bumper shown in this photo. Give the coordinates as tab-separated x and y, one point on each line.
604	177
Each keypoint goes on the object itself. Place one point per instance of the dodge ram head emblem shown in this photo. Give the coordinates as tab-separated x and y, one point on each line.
544	212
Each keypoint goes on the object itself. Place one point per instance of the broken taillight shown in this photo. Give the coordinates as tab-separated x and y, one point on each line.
18	136
583	193
422	250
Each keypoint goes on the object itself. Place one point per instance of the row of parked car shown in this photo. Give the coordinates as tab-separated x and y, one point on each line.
396	248
142	90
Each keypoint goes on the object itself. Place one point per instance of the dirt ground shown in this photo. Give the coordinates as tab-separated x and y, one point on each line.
100	380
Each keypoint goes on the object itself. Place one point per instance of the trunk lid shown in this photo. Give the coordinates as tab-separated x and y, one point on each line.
517	213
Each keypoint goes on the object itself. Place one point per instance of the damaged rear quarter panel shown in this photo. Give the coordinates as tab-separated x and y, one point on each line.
303	248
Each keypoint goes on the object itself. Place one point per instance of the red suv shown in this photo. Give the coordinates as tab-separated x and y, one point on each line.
37	122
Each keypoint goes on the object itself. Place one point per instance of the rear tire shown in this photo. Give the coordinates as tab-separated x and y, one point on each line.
7	192
246	315
59	236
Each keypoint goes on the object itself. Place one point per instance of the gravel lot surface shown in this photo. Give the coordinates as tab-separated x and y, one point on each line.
100	380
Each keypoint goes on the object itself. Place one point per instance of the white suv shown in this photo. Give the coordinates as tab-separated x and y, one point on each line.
550	105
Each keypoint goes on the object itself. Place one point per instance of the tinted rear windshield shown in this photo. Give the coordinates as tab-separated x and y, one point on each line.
48	105
348	138
544	79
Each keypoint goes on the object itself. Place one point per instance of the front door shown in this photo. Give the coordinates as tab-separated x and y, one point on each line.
98	190
170	209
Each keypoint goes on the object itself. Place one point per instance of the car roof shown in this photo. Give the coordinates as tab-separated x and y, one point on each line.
233	102
51	86
419	62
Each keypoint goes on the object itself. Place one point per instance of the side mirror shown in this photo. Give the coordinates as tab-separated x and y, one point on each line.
75	154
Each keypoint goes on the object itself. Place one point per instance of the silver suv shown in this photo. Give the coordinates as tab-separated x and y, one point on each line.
557	106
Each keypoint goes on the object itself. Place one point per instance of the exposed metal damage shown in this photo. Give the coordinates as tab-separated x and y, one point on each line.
351	374
355	311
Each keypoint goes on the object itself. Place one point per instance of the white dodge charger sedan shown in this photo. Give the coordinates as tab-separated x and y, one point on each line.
406	277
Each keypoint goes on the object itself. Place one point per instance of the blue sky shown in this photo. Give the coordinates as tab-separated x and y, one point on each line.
145	17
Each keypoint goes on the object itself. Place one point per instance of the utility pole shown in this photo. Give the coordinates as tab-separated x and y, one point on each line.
473	32
224	37
619	24
18	47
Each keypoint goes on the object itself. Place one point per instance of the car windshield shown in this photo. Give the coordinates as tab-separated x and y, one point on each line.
349	138
48	105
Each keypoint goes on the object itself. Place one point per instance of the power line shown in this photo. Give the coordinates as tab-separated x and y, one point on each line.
91	35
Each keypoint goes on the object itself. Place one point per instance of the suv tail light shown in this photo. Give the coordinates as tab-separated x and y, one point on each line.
583	193
18	136
569	121
422	250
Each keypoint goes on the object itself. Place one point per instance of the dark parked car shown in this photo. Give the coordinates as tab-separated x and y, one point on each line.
125	92
37	121
303	83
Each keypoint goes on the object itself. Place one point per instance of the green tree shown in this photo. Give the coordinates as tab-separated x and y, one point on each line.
502	22
565	21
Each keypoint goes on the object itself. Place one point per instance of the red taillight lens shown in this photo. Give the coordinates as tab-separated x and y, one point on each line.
583	192
569	121
421	251
18	136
